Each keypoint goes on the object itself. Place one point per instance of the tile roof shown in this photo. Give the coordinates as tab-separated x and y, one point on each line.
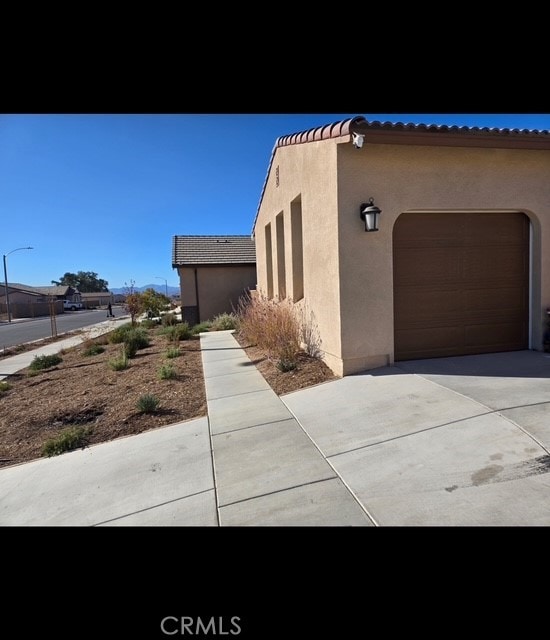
526	138
359	124
197	250
51	290
20	287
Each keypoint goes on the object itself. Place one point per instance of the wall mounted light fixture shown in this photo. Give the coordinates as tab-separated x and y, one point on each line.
370	213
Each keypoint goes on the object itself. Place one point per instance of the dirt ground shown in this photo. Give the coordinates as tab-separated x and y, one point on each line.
84	391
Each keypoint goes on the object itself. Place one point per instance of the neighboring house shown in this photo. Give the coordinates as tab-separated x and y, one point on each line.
26	302
97	299
214	272
459	263
59	292
20	294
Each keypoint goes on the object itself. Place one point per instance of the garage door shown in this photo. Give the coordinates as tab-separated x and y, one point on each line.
461	283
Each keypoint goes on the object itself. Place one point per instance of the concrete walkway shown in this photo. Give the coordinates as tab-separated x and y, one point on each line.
160	477
267	470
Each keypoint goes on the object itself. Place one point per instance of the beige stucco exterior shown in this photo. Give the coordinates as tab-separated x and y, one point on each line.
219	288
348	274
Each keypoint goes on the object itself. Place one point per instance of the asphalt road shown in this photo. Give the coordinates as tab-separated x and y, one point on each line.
20	332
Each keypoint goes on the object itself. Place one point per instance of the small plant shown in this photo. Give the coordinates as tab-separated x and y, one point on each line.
135	340
202	327
67	440
45	362
4	386
285	365
167	372
169	320
148	323
119	334
147	403
173	352
178	332
93	350
224	322
119	363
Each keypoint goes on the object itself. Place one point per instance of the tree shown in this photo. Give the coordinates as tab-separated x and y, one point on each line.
84	281
154	301
134	305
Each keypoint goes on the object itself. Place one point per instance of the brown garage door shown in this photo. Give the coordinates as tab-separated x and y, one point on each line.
461	283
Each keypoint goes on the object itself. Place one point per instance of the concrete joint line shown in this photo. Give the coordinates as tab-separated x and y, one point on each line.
498	411
270	493
160	504
252	426
213	467
361	505
234	395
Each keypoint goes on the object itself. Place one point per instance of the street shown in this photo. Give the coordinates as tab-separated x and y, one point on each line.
20	332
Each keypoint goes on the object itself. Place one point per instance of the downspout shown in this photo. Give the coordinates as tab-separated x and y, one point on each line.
197	294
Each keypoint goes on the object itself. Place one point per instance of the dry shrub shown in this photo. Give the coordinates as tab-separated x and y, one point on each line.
311	338
272	326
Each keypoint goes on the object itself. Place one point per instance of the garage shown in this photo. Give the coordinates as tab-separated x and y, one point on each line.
461	283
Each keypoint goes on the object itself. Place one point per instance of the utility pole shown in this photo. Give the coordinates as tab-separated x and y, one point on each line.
6	279
165	284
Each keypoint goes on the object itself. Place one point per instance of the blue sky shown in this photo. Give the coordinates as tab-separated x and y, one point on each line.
106	193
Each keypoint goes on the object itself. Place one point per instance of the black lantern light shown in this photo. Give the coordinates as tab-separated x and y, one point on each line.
369	213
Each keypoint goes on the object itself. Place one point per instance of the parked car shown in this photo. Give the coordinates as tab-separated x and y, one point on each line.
73	306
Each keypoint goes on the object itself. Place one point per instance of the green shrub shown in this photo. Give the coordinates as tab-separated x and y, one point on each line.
148	323
119	334
148	403
120	362
169	319
202	327
135	340
173	352
93	350
167	372
224	321
45	362
286	365
67	440
179	332
4	386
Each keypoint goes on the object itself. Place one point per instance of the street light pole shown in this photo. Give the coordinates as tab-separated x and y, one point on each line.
6	279
165	284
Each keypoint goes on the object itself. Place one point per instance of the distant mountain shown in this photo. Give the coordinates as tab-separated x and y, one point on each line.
157	287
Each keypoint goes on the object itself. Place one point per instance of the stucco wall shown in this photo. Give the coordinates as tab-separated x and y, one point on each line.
403	178
219	287
307	171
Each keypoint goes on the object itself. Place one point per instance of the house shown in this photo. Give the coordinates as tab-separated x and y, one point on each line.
59	292
97	299
214	272
25	302
460	261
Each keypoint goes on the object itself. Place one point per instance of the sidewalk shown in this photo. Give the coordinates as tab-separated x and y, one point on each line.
13	364
267	470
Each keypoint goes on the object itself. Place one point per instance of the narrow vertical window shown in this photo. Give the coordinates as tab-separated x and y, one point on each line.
281	269
269	261
297	249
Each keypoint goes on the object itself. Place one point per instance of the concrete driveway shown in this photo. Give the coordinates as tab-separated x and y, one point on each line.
448	441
